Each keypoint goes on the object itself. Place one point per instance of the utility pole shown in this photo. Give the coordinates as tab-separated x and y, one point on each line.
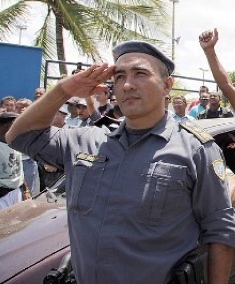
21	28
173	30
203	75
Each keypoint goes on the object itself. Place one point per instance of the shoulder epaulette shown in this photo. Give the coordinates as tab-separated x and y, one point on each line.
198	131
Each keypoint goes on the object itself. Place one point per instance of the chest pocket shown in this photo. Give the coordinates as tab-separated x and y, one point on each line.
85	186
163	194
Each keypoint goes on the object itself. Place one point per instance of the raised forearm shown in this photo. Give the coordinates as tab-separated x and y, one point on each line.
41	113
90	105
219	73
219	263
208	40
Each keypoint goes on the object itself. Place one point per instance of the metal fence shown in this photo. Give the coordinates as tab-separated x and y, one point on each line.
81	65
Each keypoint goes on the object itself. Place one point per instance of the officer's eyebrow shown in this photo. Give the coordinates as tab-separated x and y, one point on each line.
133	68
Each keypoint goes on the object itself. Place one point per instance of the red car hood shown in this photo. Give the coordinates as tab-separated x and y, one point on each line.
29	232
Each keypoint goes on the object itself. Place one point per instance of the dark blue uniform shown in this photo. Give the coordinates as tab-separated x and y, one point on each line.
135	211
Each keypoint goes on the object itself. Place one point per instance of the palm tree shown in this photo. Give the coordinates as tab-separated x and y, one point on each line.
89	21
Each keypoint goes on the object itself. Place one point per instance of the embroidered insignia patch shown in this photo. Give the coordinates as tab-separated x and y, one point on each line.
91	158
219	168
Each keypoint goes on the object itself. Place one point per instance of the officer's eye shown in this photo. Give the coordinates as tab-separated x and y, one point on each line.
118	77
140	73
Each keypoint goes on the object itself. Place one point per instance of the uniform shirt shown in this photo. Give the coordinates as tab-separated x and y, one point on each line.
135	211
11	167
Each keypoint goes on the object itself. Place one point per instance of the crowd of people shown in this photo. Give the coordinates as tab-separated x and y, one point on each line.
142	198
207	106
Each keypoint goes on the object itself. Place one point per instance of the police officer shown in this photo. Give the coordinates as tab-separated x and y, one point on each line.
140	197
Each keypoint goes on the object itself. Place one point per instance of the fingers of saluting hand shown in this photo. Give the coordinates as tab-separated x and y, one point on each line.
84	83
97	73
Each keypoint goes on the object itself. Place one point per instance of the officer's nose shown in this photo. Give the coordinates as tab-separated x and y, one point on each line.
129	84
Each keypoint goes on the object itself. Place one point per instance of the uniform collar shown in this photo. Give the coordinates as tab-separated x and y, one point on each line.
163	128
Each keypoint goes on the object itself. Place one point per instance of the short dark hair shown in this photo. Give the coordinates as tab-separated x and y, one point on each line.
203	89
163	70
168	97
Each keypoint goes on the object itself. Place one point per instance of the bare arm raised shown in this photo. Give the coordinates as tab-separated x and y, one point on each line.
208	40
41	113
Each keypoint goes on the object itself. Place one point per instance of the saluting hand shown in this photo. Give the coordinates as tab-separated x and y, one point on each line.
87	82
208	39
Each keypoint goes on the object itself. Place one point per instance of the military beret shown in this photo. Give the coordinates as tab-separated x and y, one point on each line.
7	116
142	47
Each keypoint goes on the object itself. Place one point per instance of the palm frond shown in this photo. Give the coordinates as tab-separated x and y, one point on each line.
9	18
144	20
92	21
46	37
75	18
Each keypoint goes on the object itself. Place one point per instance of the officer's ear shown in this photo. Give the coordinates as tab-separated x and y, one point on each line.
168	83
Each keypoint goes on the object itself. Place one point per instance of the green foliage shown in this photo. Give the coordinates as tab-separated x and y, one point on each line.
232	76
179	89
8	18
